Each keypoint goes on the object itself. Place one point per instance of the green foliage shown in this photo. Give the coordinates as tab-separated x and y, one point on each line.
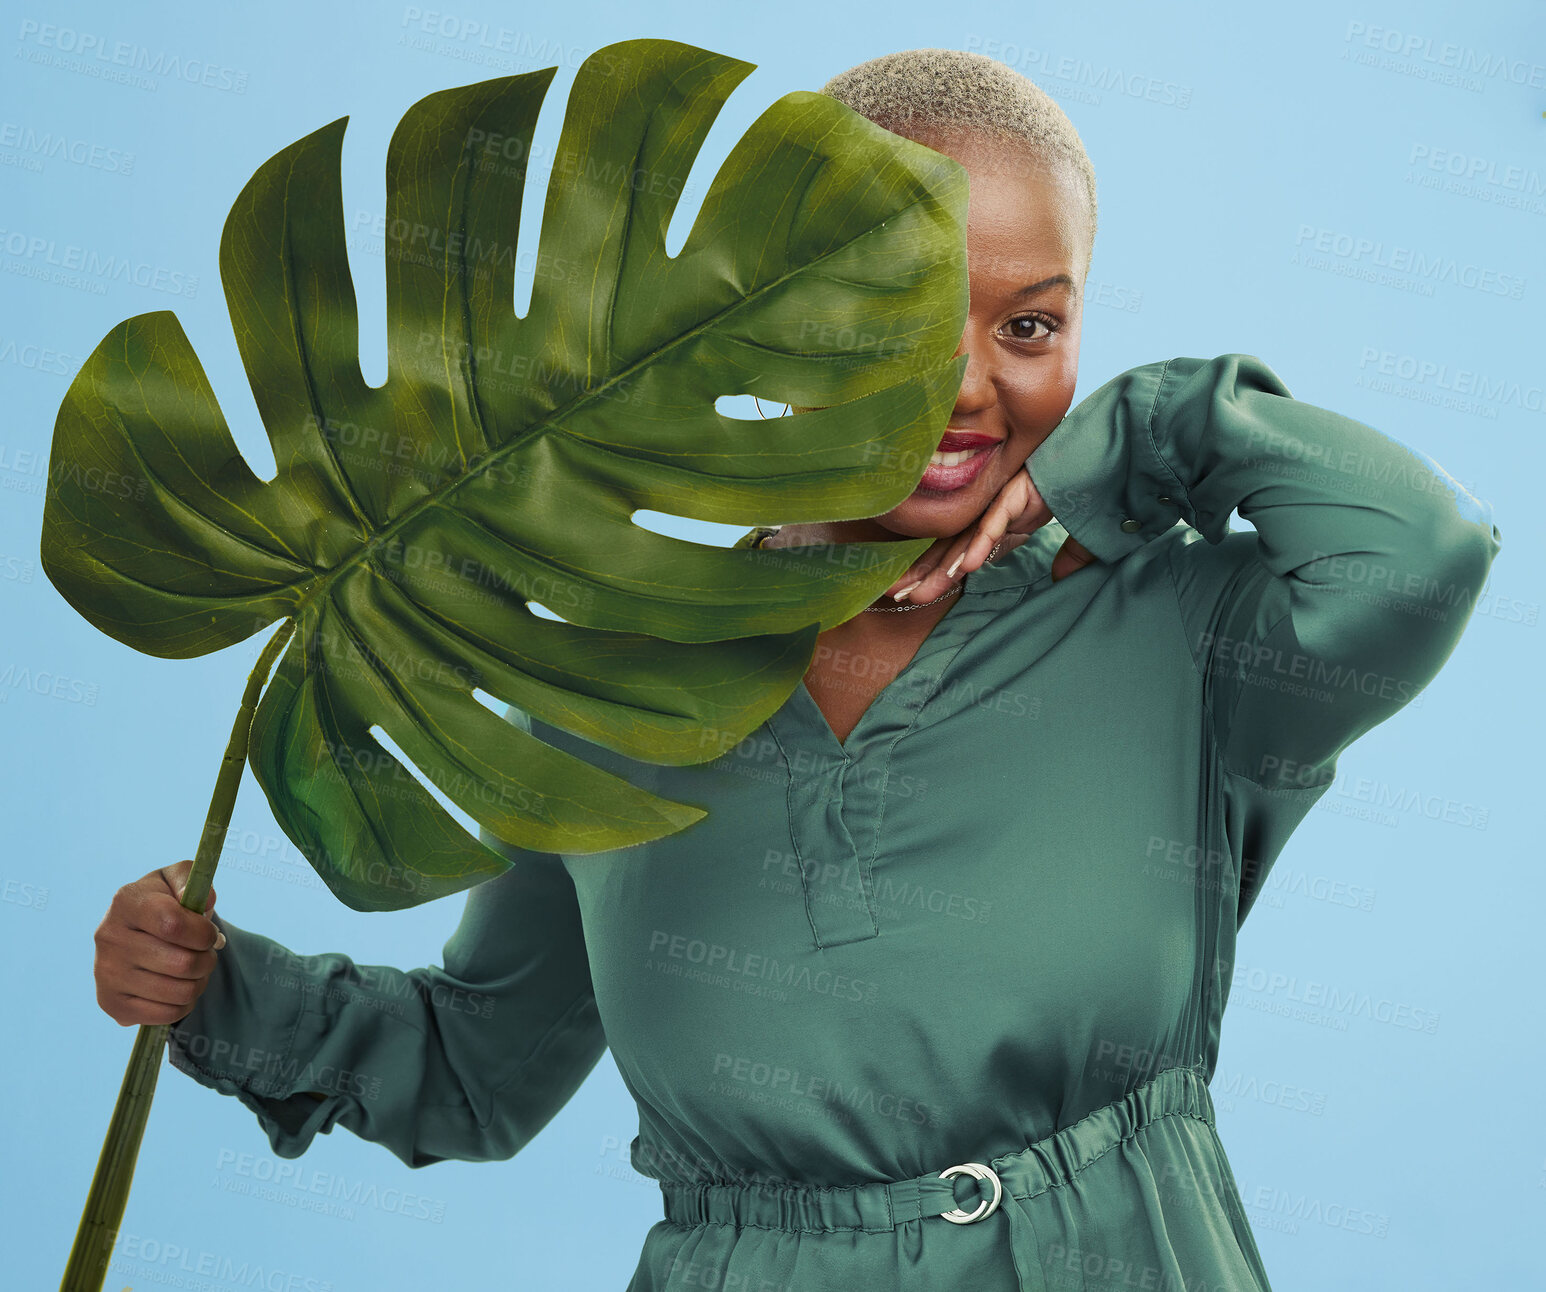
409	524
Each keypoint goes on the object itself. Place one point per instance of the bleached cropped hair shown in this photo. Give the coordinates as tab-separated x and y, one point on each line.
949	90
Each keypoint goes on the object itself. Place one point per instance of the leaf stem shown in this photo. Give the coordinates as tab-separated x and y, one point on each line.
109	1193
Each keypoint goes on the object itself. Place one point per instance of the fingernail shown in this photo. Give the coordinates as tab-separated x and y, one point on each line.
902	592
219	941
950	573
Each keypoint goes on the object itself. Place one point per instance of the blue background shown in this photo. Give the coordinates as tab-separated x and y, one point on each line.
1227	140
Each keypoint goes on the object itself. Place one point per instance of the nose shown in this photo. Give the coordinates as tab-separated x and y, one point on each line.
977	391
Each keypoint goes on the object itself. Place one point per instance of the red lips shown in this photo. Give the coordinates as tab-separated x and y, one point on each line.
956	441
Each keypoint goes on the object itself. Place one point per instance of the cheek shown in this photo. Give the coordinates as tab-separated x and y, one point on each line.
1033	415
1043	393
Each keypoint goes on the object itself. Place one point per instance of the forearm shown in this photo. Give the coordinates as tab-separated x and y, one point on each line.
1195	439
1366	562
468	1061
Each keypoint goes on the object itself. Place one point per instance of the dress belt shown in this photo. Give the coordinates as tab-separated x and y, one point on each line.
1011	1178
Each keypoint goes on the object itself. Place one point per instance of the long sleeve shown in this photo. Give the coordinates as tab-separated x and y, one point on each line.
1355	588
467	1061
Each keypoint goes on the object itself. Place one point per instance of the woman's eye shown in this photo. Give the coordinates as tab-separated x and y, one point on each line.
1031	321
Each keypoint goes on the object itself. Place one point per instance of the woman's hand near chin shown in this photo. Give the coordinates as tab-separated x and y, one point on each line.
1014	514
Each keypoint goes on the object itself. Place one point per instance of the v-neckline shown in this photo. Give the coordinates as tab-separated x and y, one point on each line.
801	717
932	637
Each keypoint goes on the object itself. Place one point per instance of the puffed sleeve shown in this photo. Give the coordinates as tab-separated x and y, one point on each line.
1365	565
465	1061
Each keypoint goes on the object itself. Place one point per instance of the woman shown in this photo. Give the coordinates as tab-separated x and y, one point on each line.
932	995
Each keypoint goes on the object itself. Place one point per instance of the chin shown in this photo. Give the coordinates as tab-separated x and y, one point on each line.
951	511
933	515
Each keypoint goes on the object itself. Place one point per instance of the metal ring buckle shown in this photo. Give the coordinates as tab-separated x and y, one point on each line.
984	1208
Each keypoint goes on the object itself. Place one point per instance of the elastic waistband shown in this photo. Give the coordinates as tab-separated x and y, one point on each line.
882	1205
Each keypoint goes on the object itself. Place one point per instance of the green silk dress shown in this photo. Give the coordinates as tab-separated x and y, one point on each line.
994	929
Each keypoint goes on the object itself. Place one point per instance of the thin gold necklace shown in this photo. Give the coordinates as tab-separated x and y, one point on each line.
766	532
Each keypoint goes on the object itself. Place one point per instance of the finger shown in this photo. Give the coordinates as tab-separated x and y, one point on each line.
132	1011
968	552
1018	503
931	579
175	877
158	915
1026	509
921	567
148	953
949	568
965	555
974	552
1016	499
160	989
176	880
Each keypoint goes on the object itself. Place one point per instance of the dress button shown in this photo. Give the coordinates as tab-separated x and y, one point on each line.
1163	498
1131	526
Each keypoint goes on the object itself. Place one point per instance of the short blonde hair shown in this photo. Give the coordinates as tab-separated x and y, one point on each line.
951	91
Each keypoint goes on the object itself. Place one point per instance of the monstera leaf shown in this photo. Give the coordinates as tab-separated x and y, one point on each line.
410	524
410	527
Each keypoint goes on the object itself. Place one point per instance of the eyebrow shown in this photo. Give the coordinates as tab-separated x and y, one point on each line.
1032	288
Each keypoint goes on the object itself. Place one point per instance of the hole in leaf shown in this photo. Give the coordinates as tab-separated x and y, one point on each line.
539	171
492	703
542	612
708	532
744	407
361	168
466	822
741	109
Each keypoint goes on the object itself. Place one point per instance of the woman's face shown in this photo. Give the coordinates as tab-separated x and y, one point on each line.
1026	248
